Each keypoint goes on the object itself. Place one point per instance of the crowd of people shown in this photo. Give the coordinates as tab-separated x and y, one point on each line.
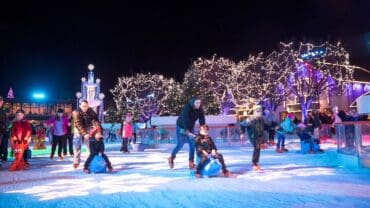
69	131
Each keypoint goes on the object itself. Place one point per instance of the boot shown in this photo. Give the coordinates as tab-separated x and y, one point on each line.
197	174
86	170
110	169
170	162
226	173
279	150
256	167
191	165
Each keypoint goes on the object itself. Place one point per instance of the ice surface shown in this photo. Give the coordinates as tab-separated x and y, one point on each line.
143	179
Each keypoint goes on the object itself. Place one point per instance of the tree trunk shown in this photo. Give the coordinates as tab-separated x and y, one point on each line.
305	106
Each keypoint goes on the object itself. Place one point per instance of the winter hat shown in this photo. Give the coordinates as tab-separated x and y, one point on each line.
19	111
290	115
255	107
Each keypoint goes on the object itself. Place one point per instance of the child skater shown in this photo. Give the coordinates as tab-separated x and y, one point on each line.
126	133
96	146
255	127
206	148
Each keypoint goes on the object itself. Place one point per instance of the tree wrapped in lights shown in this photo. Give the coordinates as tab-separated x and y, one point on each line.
143	94
208	79
313	70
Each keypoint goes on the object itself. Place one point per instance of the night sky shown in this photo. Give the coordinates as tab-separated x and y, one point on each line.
48	47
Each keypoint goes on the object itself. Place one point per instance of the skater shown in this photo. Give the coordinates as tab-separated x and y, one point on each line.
83	123
191	112
96	145
255	128
39	139
59	124
206	148
4	131
126	133
135	127
77	140
286	126
20	138
68	145
271	122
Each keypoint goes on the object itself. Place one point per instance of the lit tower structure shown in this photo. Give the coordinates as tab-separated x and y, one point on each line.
90	91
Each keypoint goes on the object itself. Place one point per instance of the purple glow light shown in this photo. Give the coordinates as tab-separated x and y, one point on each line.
367	88
357	86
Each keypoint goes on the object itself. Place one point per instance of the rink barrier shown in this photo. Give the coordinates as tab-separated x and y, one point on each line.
353	138
230	133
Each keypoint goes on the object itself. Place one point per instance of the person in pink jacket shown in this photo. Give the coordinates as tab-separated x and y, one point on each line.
126	133
59	124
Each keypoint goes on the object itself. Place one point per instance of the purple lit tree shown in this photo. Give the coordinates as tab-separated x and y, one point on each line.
313	70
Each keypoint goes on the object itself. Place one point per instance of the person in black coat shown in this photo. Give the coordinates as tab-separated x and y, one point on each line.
206	148
191	112
255	128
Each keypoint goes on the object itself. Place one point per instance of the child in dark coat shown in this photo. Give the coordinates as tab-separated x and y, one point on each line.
96	146
206	148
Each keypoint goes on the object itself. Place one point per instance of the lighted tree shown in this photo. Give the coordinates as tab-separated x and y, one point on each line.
143	94
172	105
314	70
209	79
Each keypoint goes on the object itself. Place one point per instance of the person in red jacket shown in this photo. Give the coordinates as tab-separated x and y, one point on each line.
20	137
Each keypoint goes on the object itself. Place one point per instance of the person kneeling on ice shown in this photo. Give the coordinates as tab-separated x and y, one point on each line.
305	137
96	146
206	148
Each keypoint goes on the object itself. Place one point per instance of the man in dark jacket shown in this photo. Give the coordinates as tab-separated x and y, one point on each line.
84	122
191	112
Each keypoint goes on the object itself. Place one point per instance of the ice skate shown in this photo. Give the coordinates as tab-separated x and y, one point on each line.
170	162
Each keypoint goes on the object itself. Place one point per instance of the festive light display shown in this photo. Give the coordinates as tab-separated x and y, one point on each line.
309	78
301	70
144	94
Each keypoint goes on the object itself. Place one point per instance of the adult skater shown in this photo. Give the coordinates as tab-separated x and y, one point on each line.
191	112
59	124
83	122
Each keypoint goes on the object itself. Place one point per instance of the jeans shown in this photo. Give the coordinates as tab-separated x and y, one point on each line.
77	142
181	139
58	141
69	141
280	140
